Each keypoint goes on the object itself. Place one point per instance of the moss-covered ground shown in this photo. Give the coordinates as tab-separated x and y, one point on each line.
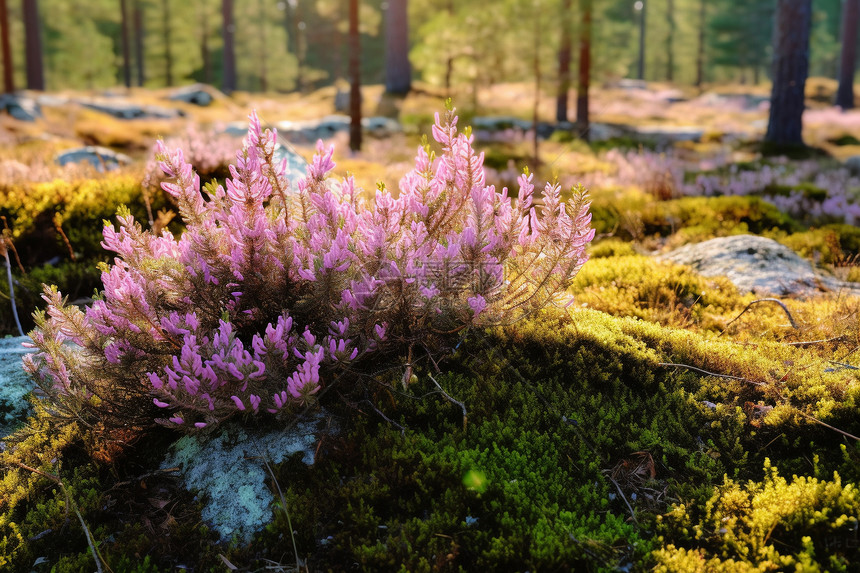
644	428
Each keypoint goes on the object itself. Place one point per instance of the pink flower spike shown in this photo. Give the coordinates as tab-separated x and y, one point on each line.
238	403
159	403
199	425
177	420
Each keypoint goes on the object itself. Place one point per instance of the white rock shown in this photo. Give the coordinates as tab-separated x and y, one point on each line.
759	265
15	383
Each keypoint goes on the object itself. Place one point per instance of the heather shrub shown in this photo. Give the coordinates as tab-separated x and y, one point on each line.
269	296
208	151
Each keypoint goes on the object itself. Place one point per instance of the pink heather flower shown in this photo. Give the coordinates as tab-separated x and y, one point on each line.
238	403
477	304
214	307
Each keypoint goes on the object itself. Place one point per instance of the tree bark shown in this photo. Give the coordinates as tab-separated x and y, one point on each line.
5	46
166	37
138	42
700	52
670	41
642	27
354	78
204	43
564	57
33	46
228	30
790	69
398	71
848	60
536	103
582	86
126	52
261	56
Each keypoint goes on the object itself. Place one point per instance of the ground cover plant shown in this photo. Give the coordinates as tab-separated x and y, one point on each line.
621	415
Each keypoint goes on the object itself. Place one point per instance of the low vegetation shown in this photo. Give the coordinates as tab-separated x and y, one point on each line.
658	421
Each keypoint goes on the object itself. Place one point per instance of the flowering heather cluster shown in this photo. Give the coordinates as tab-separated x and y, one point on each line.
786	184
208	151
268	296
842	189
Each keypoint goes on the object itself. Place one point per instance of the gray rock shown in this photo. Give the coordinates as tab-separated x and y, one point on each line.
228	470
759	265
669	134
15	384
129	110
297	167
341	101
605	131
379	126
102	158
499	123
20	107
197	94
853	164
630	84
325	128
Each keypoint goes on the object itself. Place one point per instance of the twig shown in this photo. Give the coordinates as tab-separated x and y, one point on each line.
844	365
58	225
7	232
452	400
805	343
828	426
11	286
776	300
97	556
143	476
624	497
284	505
386	418
705	372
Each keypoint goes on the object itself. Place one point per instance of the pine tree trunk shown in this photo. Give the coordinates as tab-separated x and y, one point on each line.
564	56
262	21
204	43
168	47
354	78
228	30
138	42
848	60
790	68
582	86
33	46
536	103
5	46
126	52
642	27
700	52
398	71
670	41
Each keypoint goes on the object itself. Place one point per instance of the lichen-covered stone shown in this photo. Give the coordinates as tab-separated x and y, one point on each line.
759	265
228	468
15	384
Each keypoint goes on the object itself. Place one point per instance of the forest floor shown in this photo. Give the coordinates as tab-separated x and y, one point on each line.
665	421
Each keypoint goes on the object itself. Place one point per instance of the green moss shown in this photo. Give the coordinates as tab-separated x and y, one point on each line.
610	248
773	524
634	216
805	190
664	293
570	418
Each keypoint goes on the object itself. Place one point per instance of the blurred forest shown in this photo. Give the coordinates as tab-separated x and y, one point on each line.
286	45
